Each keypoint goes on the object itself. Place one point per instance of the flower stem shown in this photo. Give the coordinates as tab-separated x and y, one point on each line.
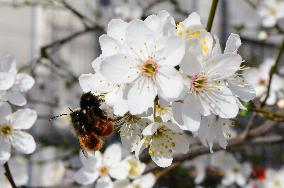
211	15
155	106
9	175
272	72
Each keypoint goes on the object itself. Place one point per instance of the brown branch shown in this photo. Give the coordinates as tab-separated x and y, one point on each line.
254	137
273	71
63	41
79	15
9	175
254	6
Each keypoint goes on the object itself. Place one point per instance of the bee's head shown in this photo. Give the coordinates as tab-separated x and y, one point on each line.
77	116
88	100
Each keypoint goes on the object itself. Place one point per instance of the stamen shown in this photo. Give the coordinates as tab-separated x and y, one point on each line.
149	68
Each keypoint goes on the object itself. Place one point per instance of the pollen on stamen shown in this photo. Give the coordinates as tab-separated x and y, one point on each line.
149	68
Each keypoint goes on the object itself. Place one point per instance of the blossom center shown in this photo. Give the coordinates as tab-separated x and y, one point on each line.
137	186
198	83
134	168
262	82
149	68
104	171
6	129
236	170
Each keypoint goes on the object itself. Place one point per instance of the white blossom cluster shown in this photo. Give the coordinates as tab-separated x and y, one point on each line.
164	78
271	11
13	124
259	78
103	168
234	172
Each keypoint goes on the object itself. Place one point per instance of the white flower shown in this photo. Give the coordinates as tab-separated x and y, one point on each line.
214	129
101	167
126	10
238	174
163	140
238	85
223	160
11	131
146	64
274	179
259	78
164	110
206	87
136	167
145	181
271	11
200	164
194	33
19	170
13	84
131	130
48	174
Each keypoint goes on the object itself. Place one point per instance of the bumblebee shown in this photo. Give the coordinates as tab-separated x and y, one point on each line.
90	123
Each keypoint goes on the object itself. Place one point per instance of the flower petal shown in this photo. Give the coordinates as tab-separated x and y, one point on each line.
119	69
242	89
190	114
85	176
161	158
93	160
23	82
5	109
23	142
104	182
95	83
112	155
120	171
139	148
23	119
117	101
177	112
170	82
233	43
16	98
6	80
173	51
162	23
8	64
190	64
223	66
5	151
109	46
141	96
151	129
145	181
140	39
225	104
116	29
121	183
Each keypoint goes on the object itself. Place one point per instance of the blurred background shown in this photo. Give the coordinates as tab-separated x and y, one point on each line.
56	41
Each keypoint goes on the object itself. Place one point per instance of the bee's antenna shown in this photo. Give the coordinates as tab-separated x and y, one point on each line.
70	109
58	116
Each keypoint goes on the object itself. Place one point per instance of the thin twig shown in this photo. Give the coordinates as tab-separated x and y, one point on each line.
65	40
9	175
273	71
211	15
81	17
251	4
